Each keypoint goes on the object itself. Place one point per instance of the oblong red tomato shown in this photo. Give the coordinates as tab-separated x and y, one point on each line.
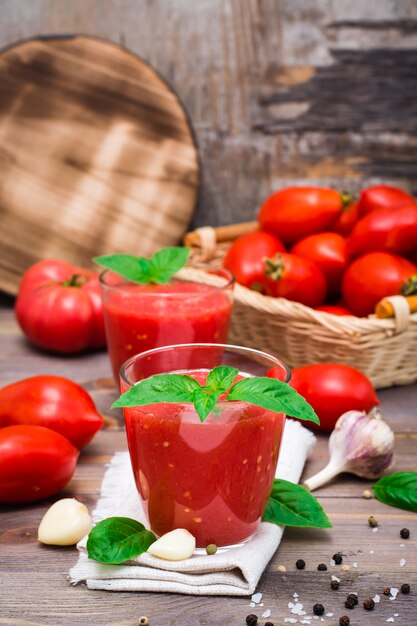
329	252
245	257
295	212
54	402
386	231
59	307
372	277
383	197
35	463
347	219
332	389
289	276
335	309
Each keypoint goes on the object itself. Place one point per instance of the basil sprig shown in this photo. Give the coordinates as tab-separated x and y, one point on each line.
269	393
398	489
293	505
159	269
118	539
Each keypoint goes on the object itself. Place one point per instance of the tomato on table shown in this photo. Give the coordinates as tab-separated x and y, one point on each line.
295	212
59	307
328	251
300	280
372	277
383	197
245	257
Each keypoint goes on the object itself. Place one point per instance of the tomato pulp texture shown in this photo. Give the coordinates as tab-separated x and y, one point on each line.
142	317
212	478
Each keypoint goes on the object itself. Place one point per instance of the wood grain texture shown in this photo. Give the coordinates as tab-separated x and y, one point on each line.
34	589
96	155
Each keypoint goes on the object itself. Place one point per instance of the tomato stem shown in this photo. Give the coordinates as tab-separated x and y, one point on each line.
410	287
347	198
274	267
76	280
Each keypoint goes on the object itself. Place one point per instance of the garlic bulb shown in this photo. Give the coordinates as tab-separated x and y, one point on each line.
362	444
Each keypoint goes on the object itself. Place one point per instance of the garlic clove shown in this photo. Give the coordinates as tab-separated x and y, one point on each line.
64	523
362	444
177	545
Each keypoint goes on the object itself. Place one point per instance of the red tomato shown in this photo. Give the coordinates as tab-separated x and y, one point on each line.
372	277
288	276
332	389
347	219
383	197
35	463
334	308
385	230
54	402
296	212
59	307
245	257
329	252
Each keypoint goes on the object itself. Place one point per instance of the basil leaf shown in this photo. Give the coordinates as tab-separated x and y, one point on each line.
274	395
118	539
398	489
167	262
220	378
159	388
293	505
158	269
204	402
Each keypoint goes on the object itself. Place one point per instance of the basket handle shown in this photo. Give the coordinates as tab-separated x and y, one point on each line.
400	308
208	237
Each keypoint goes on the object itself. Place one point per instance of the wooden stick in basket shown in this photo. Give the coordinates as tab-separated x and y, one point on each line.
385	309
223	233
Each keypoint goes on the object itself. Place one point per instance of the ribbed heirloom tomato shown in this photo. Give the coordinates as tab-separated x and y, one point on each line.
295	212
288	276
329	252
245	257
59	307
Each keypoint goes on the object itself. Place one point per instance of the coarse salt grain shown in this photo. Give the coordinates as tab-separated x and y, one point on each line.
394	592
329	614
252	604
305	621
375	530
402	562
295	595
257	597
376	599
402	545
332	562
396	614
336	579
354	564
390	619
371	551
266	613
290	620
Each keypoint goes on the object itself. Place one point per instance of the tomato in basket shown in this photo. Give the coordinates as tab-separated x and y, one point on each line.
383	197
347	219
372	277
245	257
329	252
294	278
335	309
385	230
332	389
295	212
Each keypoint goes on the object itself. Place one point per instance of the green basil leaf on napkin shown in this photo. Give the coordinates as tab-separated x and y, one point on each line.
118	539
274	395
293	505
398	489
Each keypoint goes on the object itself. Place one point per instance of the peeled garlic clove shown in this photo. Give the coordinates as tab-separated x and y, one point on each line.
177	545
64	523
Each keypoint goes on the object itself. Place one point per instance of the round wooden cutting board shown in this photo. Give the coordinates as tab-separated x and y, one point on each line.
96	155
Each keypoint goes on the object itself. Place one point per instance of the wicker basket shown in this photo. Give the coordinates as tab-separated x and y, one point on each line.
384	349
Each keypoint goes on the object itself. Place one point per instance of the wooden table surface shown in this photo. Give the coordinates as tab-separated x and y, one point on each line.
34	587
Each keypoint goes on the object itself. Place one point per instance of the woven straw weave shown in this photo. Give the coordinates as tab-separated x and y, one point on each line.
385	350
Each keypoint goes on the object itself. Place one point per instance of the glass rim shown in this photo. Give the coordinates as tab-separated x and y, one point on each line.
231	347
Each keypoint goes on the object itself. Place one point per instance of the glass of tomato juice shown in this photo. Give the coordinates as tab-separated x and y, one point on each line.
140	317
213	477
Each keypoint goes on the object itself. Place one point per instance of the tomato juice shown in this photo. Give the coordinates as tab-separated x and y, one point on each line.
212	478
141	317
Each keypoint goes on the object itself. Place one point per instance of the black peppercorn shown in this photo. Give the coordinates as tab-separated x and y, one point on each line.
269	624
368	604
386	591
337	558
322	567
350	604
251	619
344	620
318	609
405	533
300	564
335	584
405	588
354	597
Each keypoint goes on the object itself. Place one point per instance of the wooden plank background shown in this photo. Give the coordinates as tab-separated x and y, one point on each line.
278	90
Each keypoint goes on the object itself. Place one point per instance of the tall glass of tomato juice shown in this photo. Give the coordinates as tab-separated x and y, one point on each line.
186	310
213	477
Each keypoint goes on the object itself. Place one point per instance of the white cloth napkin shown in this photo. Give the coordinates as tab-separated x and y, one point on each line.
232	572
